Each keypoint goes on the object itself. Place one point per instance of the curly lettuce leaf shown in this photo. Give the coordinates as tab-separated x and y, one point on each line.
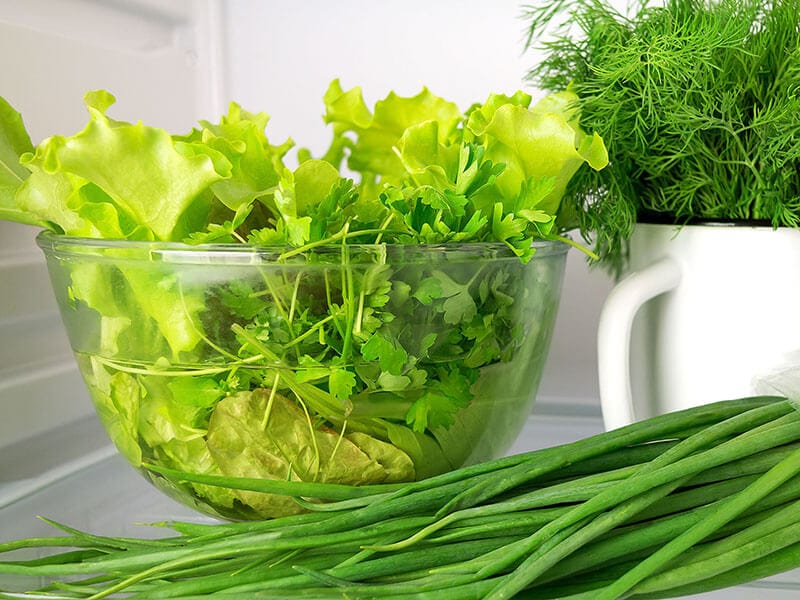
426	159
152	417
263	434
14	142
116	398
542	142
160	297
378	133
162	419
256	164
143	174
479	115
68	204
304	201
88	285
145	312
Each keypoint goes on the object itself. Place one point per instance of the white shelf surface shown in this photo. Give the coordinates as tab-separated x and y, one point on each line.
77	479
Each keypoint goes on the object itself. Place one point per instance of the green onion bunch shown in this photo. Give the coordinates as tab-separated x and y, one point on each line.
681	503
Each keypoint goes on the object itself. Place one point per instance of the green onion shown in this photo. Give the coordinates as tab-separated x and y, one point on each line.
686	502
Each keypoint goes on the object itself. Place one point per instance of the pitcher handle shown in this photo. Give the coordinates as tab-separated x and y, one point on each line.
614	335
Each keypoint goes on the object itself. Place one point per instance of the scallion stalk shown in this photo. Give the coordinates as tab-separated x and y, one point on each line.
690	501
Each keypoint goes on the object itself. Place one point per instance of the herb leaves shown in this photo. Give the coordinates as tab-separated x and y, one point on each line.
697	101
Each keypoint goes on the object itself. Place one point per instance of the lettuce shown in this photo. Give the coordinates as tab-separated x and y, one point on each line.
425	173
543	142
14	142
495	173
377	133
258	434
145	182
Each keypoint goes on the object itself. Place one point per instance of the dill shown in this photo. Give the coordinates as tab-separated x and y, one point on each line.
696	100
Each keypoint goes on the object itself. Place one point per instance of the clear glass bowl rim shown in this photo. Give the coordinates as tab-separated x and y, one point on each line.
61	245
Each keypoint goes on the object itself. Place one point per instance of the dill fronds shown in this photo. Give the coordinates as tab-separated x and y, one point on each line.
697	101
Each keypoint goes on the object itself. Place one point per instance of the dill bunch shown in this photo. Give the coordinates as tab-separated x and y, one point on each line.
698	102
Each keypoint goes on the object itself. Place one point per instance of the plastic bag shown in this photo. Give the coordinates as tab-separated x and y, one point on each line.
782	381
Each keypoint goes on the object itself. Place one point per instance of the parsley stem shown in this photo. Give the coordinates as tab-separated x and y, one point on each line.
293	303
129	367
313	329
567	240
347	301
270	400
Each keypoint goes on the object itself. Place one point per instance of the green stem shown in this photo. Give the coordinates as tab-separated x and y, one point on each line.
312	330
736	551
126	367
567	240
665	473
766	484
656	428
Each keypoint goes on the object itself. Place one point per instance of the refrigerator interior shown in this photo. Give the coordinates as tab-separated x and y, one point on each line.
170	64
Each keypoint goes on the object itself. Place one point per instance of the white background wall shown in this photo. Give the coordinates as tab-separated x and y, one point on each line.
282	55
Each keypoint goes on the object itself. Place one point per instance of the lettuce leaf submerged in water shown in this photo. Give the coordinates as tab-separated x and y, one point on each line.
260	434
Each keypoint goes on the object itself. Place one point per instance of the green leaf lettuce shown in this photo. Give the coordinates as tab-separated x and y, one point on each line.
145	180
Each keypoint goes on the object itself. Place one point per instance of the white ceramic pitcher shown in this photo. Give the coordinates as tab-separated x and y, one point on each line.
704	311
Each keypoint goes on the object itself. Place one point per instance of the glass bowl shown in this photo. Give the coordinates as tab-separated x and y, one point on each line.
352	364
